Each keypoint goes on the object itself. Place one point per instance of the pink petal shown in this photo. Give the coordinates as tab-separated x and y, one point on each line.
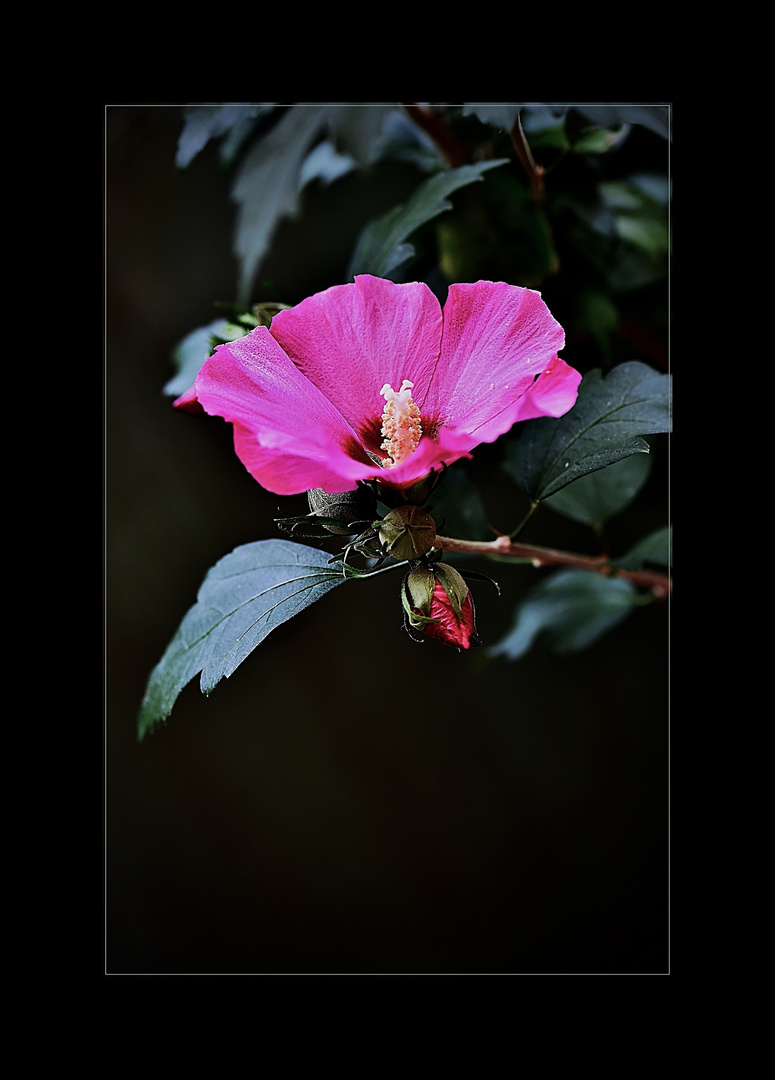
188	402
553	394
287	473
288	436
445	447
496	340
350	340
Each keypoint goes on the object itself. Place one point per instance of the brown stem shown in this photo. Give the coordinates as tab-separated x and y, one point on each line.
433	125
660	584
535	172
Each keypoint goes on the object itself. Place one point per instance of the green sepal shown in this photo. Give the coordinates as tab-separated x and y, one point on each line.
454	585
419	584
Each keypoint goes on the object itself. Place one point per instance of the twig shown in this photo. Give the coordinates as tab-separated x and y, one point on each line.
661	585
432	124
535	172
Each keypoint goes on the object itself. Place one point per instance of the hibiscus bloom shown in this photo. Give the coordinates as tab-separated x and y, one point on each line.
374	381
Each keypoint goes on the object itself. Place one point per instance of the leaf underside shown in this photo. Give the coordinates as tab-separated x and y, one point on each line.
568	611
245	596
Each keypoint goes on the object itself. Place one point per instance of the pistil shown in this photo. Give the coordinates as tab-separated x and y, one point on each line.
401	428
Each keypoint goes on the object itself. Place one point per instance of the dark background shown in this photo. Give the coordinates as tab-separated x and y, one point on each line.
348	802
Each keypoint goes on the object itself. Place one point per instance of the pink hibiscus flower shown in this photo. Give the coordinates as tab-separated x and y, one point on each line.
373	381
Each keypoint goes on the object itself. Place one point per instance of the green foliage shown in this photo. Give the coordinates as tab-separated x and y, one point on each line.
289	149
656	548
457	506
599	496
201	123
190	353
569	610
604	426
243	598
382	247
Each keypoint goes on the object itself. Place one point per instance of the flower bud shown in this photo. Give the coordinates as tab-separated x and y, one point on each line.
347	508
408	532
441	606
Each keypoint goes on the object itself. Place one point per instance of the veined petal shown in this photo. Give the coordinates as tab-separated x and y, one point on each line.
351	340
286	433
496	340
553	394
288	473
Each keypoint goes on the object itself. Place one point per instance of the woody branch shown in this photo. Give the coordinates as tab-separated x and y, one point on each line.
660	584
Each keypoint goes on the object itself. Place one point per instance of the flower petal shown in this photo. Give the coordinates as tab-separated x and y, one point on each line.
451	628
553	394
497	339
350	340
286	433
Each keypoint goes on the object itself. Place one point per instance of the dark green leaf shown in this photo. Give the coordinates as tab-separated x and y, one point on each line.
276	169
639	217
595	499
600	140
267	185
500	116
195	348
654	117
242	599
325	164
655	548
604	426
205	122
570	610
383	246
458	509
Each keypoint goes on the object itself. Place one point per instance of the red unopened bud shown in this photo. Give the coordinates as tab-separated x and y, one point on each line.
450	627
442	607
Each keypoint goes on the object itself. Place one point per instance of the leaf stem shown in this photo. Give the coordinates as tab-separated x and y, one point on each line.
533	507
661	585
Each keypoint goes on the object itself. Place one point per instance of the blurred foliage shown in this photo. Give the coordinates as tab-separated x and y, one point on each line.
595	228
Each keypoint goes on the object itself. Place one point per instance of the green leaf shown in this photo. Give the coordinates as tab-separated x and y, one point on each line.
267	185
243	598
501	116
458	509
595	499
382	246
654	117
639	218
204	122
654	548
603	427
270	179
190	353
569	610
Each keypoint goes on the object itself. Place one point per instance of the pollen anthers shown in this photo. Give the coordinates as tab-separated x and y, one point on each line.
401	427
